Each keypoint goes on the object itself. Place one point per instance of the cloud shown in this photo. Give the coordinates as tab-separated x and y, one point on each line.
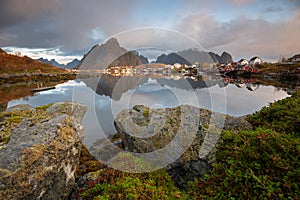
70	24
14	12
244	36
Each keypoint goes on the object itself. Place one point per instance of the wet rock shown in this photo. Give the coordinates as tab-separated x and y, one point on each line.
41	152
182	139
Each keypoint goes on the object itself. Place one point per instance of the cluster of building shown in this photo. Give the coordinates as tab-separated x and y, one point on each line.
242	65
154	69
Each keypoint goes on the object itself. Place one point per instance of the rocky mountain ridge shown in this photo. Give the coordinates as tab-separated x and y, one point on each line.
53	62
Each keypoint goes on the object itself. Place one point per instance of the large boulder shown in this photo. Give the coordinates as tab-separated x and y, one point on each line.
39	150
192	133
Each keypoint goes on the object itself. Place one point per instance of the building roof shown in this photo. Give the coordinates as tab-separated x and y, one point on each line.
255	57
243	60
296	56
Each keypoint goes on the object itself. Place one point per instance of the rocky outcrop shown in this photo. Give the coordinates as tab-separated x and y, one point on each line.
39	150
192	133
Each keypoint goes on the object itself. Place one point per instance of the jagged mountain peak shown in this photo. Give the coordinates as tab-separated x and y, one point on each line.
112	42
110	54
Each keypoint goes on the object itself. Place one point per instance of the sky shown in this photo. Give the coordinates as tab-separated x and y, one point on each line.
66	29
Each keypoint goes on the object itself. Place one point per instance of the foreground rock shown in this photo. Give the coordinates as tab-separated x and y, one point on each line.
182	139
39	150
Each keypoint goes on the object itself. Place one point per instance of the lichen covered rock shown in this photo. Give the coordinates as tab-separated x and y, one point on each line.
145	130
40	152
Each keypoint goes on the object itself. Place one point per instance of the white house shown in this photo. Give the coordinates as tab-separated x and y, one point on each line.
243	62
255	61
296	58
169	67
177	66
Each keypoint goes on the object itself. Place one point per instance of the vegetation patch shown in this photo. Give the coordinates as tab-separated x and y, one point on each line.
113	184
259	164
281	116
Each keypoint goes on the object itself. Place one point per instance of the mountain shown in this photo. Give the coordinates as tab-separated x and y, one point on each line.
195	56
143	59
53	62
225	58
73	64
107	55
216	58
171	59
10	64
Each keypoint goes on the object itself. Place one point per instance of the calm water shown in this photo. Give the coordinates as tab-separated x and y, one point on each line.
109	95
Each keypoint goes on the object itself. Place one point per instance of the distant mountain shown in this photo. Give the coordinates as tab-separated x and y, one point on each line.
10	64
107	55
225	58
171	59
196	56
53	62
73	64
193	56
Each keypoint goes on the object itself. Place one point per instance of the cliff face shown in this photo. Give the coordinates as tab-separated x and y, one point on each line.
39	150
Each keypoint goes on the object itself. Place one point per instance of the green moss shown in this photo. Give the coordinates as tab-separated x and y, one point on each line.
15	118
10	121
146	112
44	107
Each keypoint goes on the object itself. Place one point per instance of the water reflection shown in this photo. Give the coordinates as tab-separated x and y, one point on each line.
107	95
